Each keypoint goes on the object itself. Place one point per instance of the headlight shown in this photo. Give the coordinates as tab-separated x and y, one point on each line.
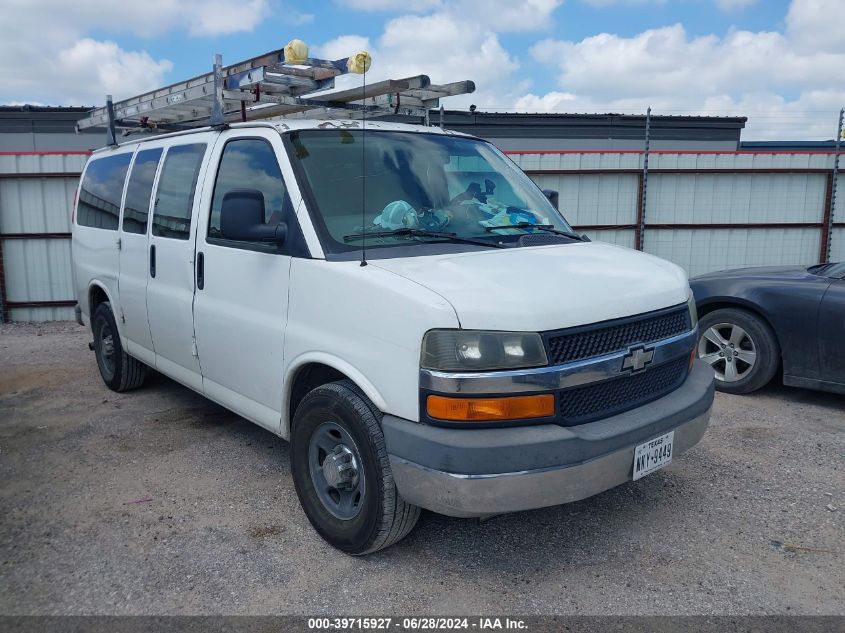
475	350
693	311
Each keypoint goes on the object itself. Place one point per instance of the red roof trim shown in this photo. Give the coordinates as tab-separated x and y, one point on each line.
49	153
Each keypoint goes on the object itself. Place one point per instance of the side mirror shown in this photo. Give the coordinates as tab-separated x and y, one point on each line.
242	218
551	194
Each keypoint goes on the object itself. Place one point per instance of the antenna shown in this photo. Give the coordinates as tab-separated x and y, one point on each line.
364	176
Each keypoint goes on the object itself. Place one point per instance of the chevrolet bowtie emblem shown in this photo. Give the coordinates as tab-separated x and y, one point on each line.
637	359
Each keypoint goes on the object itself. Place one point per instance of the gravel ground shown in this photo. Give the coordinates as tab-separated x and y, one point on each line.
160	502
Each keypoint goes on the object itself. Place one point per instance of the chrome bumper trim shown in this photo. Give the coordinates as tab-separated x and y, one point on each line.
480	495
580	372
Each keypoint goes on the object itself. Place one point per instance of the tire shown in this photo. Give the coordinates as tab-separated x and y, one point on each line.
744	338
119	371
365	512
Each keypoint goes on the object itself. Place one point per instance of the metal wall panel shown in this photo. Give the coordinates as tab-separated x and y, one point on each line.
34	163
594	198
740	160
620	237
38	270
37	267
839	203
41	314
36	205
735	198
837	246
579	160
704	250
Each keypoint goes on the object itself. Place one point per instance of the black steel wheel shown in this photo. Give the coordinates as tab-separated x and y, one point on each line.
119	371
342	474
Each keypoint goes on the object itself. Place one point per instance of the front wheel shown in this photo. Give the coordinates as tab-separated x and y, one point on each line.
342	474
741	348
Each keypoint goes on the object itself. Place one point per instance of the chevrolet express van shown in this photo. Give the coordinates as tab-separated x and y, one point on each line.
402	304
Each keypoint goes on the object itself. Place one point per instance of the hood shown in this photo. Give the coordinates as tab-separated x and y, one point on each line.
546	287
763	272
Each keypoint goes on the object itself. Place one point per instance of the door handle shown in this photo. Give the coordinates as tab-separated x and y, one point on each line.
152	260
200	271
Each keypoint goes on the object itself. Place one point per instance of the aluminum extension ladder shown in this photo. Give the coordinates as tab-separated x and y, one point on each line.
281	83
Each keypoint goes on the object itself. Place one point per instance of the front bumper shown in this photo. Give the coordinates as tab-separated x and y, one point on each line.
478	472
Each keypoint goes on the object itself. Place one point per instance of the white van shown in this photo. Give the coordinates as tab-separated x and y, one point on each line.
403	304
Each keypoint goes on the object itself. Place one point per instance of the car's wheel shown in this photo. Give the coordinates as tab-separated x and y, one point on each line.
741	348
120	371
342	473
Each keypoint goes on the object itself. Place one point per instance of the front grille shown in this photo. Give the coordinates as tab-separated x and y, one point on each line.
614	336
599	400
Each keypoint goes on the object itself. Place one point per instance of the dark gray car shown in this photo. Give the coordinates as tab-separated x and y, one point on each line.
754	321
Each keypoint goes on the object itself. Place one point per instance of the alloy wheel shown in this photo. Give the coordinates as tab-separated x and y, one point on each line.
729	350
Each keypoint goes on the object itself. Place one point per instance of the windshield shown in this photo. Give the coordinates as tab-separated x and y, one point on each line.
410	180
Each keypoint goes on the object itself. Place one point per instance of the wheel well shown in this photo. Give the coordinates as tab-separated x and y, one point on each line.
96	296
307	378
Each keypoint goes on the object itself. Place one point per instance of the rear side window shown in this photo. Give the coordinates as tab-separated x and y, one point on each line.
250	164
139	190
101	191
176	187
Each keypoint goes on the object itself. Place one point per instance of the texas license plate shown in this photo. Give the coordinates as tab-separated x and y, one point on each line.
653	455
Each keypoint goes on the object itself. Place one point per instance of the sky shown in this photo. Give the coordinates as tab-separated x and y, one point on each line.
780	63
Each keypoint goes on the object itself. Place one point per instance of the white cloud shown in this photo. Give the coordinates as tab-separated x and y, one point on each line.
601	4
457	41
215	17
816	25
733	5
497	15
198	17
296	18
506	15
48	56
392	5
439	46
785	87
110	66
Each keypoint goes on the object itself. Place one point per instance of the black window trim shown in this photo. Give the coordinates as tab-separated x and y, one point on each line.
93	159
153	190
294	238
151	231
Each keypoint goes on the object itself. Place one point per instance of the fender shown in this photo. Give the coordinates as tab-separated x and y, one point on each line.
115	308
348	370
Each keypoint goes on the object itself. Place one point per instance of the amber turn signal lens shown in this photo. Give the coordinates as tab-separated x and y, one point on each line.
692	357
490	409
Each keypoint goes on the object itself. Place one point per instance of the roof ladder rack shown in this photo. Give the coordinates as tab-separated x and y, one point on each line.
281	83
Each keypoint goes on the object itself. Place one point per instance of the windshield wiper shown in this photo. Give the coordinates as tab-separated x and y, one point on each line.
549	228
453	237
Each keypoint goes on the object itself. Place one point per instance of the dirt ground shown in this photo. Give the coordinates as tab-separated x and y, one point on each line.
160	502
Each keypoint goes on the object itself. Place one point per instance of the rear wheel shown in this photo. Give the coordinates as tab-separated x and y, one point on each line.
741	348
342	472
119	371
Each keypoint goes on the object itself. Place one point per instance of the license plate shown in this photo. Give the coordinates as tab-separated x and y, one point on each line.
653	455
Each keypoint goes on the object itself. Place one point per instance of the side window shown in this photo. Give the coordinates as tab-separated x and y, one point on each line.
139	190
176	187
250	164
102	188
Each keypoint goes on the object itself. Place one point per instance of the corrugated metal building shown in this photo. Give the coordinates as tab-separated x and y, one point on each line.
544	132
703	210
706	206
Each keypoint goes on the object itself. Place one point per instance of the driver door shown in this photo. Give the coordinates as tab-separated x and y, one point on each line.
241	302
